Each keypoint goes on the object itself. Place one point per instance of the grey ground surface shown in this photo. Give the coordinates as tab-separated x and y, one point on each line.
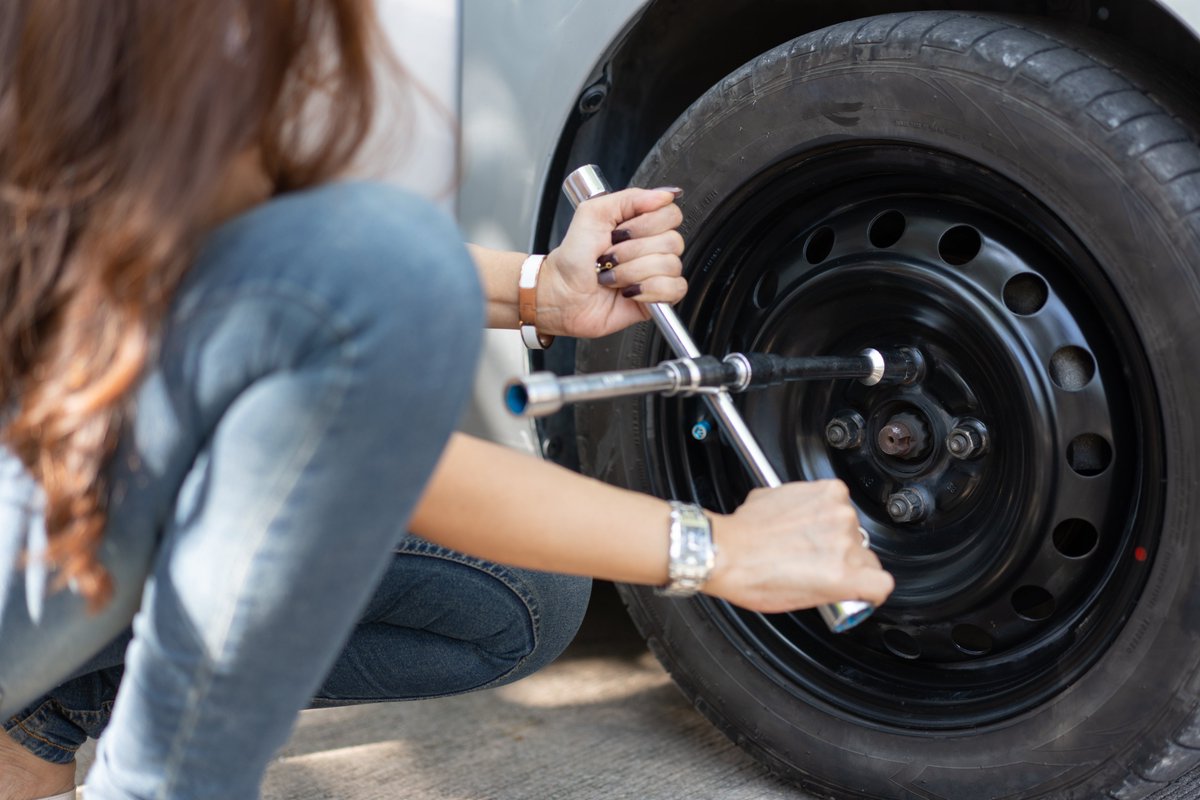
604	721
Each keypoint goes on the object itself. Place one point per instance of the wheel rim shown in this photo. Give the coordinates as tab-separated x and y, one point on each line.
1035	549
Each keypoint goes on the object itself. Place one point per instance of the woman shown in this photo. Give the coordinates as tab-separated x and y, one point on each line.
232	385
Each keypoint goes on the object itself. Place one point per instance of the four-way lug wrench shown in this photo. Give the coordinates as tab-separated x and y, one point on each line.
543	393
588	182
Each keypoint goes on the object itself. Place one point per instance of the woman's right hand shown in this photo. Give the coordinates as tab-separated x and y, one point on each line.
793	547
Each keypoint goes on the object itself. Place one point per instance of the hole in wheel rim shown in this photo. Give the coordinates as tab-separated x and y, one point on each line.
1089	454
1025	294
767	288
901	644
819	245
1075	538
886	229
1072	368
971	639
959	245
1033	603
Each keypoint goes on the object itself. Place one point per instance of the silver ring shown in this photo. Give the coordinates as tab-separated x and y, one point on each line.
866	537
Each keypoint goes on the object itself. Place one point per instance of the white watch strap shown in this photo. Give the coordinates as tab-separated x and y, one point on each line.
531	267
529	336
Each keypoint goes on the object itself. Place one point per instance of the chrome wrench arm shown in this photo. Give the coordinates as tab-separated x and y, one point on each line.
587	182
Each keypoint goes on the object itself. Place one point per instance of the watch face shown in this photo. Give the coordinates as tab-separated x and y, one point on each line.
691	553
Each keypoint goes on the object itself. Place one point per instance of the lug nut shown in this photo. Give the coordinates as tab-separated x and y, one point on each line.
909	505
969	439
845	432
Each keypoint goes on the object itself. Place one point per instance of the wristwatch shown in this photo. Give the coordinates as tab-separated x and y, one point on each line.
527	304
691	553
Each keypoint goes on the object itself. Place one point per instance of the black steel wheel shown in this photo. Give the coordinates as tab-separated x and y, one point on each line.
1037	528
941	182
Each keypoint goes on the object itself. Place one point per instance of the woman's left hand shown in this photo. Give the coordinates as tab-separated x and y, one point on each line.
635	230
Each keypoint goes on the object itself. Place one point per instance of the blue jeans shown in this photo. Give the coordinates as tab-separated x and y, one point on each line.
313	365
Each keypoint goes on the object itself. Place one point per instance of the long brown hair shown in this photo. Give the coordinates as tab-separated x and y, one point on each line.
118	122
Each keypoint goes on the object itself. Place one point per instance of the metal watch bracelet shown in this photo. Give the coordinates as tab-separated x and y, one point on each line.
691	553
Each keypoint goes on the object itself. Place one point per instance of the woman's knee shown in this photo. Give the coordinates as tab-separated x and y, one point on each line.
559	604
513	621
376	258
367	277
525	621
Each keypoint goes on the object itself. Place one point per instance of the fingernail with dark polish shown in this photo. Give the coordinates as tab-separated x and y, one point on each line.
632	291
606	262
675	190
607	278
621	235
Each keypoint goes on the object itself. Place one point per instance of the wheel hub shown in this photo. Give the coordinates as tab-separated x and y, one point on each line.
904	436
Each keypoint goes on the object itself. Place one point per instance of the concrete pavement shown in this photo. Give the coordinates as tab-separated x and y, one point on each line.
604	722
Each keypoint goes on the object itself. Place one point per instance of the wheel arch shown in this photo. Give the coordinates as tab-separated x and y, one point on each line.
666	58
675	50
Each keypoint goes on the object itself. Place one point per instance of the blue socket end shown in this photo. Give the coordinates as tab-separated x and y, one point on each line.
516	398
852	620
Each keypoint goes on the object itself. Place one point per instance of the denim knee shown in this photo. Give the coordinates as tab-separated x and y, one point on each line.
562	600
523	619
57	725
341	323
442	622
389	266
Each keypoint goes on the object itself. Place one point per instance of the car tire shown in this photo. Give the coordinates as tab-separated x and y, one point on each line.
1045	634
